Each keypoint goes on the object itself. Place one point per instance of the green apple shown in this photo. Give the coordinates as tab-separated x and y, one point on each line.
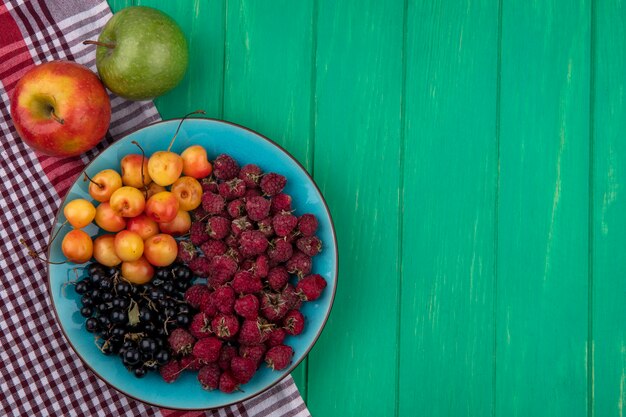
141	53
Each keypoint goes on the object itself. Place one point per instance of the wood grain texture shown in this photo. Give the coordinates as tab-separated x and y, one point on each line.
352	369
116	5
542	275
609	211
450	178
268	79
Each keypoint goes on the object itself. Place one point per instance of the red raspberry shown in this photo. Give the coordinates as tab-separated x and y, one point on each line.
265	227
228	383
309	245
209	376
283	223
225	167
299	264
235	255
280	202
261	266
273	306
280	250
231	241
310	287
212	203
247	307
190	363
277	278
255	352
224	299
200	266
247	265
213	248
293	322
207	305
307	224
223	268
218	227
197	233
252	192
186	251
181	341
239	225
243	369
198	214
225	326
272	183
276	337
257	208
246	283
209	185
200	326
170	371
253	332
227	353
195	294
251	175
232	189
252	242
279	357
236	208
208	349
291	297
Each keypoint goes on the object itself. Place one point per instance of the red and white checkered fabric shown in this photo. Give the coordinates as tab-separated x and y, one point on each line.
39	374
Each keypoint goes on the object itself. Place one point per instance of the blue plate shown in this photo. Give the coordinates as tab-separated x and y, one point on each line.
245	146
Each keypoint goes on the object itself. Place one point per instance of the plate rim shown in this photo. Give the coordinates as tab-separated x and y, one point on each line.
332	296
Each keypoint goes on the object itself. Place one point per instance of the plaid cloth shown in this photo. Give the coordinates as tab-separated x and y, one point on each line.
40	376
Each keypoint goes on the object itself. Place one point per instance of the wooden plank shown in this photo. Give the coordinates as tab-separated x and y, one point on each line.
609	211
352	369
542	275
202	22
268	79
450	179
116	5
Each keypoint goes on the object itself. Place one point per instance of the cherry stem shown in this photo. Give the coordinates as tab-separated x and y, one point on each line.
143	156
181	123
55	117
92	181
106	45
35	255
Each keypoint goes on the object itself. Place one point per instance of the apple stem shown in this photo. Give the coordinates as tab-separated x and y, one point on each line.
92	181
106	45
181	123
143	156
55	117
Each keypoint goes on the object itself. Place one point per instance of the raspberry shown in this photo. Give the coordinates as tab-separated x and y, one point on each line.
209	185
279	357
231	241
200	266
189	363
277	278
235	255
236	208
251	175
228	383
246	283
225	168
247	265
212	203
257	208
252	192
208	349
243	369
311	287
170	371
195	294
309	245
213	248
226	355
198	214
239	225
217	227
247	307
273	306
299	264
276	337
224	299
197	233
252	242
209	376
280	250
272	183
225	326
291	297
180	341
186	251
207	305
283	223
200	326
280	202
223	267
255	352
293	322
253	332
265	227
307	224
261	266
232	189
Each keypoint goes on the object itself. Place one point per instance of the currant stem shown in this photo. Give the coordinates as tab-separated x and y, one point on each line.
106	45
181	123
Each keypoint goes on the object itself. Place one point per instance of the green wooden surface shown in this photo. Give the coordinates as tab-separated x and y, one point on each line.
473	155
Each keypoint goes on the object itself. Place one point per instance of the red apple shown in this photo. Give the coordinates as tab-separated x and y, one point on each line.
60	108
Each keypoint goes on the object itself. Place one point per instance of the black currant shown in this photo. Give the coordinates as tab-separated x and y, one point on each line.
182	320
162	357
82	287
92	325
86	311
140	372
147	345
131	356
118	316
